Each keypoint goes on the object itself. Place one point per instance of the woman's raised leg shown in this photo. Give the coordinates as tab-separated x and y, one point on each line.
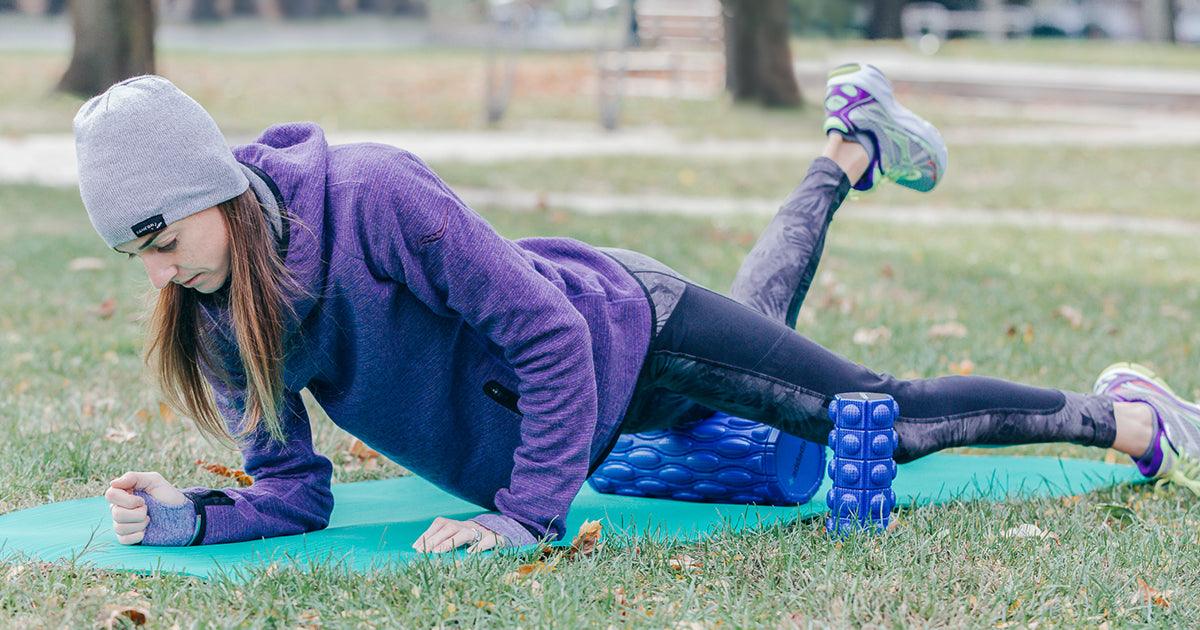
870	133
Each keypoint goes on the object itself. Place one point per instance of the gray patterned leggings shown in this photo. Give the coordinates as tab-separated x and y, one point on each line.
742	355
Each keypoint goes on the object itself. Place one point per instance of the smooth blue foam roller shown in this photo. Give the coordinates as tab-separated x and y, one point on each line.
719	459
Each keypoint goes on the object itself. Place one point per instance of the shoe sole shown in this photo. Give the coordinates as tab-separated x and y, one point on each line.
877	85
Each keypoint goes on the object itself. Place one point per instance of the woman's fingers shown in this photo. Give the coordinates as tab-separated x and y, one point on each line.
433	535
126	515
462	535
447	534
125	529
121	498
137	480
131	539
489	540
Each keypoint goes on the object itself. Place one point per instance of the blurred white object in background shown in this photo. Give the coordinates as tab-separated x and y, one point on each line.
929	44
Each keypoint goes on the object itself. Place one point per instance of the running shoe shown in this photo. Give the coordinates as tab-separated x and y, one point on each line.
905	148
1174	456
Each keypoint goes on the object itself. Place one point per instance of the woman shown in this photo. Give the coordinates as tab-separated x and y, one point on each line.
502	371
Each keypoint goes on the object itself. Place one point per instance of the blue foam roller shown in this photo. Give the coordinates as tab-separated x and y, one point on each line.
862	467
839	527
719	459
847	473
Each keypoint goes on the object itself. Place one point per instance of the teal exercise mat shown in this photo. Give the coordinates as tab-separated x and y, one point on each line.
375	522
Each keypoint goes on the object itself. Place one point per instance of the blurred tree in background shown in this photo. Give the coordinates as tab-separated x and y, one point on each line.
114	40
885	19
758	59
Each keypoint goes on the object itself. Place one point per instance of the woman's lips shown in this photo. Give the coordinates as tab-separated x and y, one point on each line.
189	282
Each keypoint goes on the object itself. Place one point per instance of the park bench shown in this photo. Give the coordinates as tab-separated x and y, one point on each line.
676	51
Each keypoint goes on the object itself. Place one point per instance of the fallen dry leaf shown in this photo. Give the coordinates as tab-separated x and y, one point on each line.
310	619
947	329
685	563
966	367
585	543
527	570
361	451
120	616
85	264
872	336
106	308
1147	594
887	271
239	476
586	540
119	434
1028	530
359	456
165	411
1026	332
1073	315
142	415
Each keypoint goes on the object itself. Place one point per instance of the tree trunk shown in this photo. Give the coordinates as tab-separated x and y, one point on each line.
1158	20
885	19
758	57
114	40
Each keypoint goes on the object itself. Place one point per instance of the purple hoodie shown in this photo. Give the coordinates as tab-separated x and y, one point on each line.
498	370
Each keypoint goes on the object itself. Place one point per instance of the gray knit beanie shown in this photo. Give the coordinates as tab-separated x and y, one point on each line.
148	156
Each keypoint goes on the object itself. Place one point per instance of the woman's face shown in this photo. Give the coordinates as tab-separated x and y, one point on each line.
192	252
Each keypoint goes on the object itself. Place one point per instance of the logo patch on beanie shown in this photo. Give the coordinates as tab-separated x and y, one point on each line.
153	224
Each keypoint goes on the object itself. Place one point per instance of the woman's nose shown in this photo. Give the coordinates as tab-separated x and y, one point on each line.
160	271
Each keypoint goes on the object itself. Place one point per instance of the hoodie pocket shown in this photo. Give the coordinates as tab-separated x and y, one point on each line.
503	395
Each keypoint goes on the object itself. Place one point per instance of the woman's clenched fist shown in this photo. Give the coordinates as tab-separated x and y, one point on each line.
129	510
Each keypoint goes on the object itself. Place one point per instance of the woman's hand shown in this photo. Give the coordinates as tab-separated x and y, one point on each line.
129	510
447	534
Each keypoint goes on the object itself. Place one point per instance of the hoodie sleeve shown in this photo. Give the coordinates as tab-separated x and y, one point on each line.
290	495
291	490
423	235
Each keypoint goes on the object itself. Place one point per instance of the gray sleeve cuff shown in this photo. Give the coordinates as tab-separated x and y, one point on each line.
170	525
514	533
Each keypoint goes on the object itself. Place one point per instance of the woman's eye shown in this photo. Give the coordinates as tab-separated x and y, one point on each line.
168	247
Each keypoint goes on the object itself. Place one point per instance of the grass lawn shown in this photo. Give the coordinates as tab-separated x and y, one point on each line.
1128	181
70	374
442	88
424	89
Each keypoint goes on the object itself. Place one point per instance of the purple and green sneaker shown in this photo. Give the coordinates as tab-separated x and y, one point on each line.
1174	454
904	147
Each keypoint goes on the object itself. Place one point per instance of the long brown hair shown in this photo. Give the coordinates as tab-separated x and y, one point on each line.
259	291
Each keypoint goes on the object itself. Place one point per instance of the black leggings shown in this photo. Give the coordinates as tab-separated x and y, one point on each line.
743	357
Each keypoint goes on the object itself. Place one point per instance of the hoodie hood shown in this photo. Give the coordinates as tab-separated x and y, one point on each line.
294	157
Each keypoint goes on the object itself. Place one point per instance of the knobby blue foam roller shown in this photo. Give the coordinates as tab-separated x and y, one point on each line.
862	467
719	459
